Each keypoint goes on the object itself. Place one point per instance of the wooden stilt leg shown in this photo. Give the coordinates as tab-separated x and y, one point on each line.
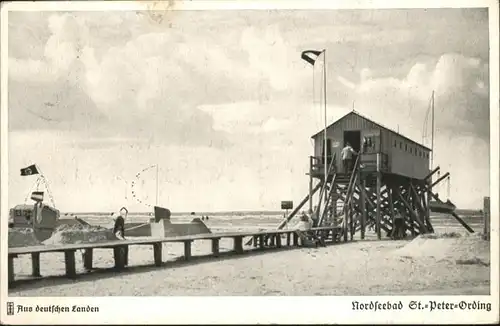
278	240
238	244
157	252
35	267
70	264
215	246
11	269
88	257
187	250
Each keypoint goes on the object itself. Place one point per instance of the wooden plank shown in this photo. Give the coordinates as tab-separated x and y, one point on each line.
363	209
70	264
462	222
35	264
391	209
147	241
238	244
119	257
215	246
412	213
11	269
187	249
418	202
262	241
486	214
157	253
379	203
272	239
88	257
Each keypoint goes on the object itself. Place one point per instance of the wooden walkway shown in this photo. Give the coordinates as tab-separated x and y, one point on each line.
263	239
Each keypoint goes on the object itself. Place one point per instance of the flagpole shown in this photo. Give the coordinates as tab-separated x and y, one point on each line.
432	132
157	184
324	100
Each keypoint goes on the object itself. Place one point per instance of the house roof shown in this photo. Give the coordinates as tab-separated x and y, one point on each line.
376	123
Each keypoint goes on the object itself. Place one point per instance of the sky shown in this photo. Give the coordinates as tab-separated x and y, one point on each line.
223	103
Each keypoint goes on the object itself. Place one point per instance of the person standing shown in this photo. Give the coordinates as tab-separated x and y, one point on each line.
119	232
347	154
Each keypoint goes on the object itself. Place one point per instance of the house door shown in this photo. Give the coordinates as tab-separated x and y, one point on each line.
353	138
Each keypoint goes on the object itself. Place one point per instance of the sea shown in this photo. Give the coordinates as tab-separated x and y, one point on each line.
261	220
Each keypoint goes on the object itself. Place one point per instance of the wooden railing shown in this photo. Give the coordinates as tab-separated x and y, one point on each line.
270	238
369	161
317	165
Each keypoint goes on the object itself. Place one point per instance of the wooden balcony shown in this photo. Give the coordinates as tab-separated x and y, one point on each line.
368	164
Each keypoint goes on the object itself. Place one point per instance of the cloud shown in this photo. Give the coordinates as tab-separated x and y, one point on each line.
233	98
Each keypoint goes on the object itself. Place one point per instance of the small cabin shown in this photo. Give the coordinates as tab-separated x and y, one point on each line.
24	216
378	146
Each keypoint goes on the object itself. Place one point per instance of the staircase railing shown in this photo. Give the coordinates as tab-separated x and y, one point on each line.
350	190
323	189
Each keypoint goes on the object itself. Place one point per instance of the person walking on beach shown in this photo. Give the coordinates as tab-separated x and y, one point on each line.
399	231
119	232
347	153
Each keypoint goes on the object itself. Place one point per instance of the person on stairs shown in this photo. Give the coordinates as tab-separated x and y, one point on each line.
347	154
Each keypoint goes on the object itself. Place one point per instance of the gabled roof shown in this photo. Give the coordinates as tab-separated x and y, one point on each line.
353	112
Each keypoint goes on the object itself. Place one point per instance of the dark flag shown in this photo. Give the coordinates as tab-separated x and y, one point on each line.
311	56
29	170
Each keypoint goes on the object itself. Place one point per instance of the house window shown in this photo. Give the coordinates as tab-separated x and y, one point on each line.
400	145
406	147
395	143
410	150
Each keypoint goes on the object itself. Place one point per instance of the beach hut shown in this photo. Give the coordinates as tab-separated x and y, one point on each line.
397	154
389	172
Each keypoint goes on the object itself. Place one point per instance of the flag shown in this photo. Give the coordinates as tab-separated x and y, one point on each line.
37	196
32	169
311	56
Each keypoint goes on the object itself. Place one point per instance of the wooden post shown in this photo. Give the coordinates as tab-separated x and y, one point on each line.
310	185
346	217
295	239
262	241
238	244
187	249
69	262
35	264
11	269
255	239
157	253
216	248
487	216
273	240
88	257
119	256
288	239
363	208
391	208
278	240
379	200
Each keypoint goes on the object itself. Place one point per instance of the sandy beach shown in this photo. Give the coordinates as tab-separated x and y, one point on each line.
436	265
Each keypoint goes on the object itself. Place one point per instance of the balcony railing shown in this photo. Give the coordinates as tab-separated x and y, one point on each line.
368	163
